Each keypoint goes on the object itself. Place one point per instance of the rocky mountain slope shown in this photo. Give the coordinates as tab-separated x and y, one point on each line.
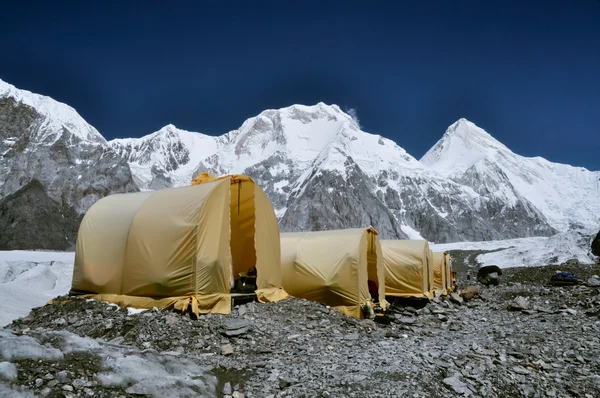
321	171
53	167
318	167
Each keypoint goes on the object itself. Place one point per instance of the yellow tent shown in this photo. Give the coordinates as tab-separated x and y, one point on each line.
440	272
408	269
173	247
333	267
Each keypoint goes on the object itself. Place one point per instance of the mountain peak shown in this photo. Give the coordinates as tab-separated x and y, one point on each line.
467	130
463	145
56	114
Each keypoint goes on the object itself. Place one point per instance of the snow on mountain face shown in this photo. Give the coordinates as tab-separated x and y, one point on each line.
56	116
53	167
166	158
315	164
321	171
566	195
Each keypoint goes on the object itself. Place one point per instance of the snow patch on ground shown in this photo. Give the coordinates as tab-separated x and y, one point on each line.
30	279
139	373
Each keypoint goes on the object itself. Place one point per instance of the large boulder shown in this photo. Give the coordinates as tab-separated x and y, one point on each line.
470	292
489	275
596	245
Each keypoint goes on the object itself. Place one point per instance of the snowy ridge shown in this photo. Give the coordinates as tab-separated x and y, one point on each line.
170	150
566	195
57	115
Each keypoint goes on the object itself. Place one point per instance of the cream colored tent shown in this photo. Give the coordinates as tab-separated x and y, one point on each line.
333	267
408	268
172	247
440	272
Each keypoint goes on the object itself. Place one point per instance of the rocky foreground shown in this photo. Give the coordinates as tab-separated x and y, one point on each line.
519	339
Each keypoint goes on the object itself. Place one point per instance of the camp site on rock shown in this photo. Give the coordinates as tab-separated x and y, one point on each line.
194	291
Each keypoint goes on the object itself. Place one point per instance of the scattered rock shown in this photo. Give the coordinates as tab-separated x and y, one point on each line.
456	385
368	323
227	349
296	348
521	370
407	320
236	327
594	281
470	292
285	382
456	299
518	304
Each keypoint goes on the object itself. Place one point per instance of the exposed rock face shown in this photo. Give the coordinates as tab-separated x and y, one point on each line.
62	170
30	219
327	201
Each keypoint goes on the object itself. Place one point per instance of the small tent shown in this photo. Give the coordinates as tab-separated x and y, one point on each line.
177	247
408	268
439	272
333	267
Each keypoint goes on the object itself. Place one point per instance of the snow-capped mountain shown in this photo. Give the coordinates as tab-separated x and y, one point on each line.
568	196
166	158
321	171
317	166
53	167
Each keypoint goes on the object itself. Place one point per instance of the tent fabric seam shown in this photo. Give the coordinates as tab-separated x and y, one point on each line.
127	240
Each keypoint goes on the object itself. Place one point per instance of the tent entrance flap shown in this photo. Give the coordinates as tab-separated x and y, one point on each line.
242	227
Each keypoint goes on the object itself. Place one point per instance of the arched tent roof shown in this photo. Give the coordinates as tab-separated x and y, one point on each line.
439	272
408	270
333	267
172	247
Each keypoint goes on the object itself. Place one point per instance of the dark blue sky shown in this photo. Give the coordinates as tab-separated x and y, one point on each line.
527	72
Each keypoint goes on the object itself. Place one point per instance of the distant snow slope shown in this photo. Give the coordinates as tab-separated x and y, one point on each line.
527	252
30	279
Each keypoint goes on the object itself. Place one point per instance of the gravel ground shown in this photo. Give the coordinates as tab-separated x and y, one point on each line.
522	339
